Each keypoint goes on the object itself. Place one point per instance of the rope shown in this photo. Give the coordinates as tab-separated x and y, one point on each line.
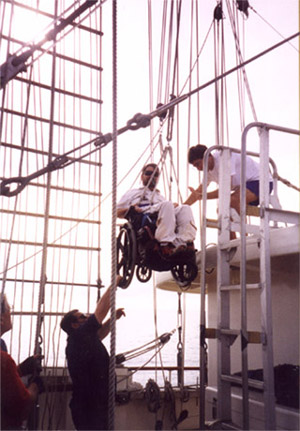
287	183
161	58
17	63
135	123
238	51
271	26
147	347
150	63
112	361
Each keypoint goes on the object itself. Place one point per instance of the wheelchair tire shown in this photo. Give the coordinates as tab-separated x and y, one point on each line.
184	273
143	273
126	254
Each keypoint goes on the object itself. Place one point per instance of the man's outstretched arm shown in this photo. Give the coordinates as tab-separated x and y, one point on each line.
105	328
103	304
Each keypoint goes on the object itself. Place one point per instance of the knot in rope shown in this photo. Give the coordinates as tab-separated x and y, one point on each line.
139	120
152	395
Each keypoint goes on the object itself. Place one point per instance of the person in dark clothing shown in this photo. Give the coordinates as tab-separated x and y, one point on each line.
88	364
16	399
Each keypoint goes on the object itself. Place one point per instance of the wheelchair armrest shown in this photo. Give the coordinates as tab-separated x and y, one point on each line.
131	213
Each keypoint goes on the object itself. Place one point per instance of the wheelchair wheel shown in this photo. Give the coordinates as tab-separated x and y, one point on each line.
184	273
143	273
126	254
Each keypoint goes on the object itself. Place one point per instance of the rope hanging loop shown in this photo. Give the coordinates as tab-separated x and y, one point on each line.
138	121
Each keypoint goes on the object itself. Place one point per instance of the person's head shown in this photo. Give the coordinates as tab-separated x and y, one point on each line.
6	324
72	320
150	175
195	157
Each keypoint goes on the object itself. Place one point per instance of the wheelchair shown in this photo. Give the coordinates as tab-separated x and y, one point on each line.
139	252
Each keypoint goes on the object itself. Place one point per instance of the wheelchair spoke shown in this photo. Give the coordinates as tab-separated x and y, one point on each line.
126	254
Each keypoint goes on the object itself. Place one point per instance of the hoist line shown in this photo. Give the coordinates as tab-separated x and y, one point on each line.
176	47
190	82
168	71
112	357
196	62
216	64
238	51
162	48
150	62
138	121
242	74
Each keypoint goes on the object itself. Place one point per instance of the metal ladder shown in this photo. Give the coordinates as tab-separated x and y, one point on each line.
224	334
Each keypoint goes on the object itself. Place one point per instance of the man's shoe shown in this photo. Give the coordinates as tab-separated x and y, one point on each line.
167	250
190	246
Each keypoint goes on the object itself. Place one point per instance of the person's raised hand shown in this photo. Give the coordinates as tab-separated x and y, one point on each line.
31	365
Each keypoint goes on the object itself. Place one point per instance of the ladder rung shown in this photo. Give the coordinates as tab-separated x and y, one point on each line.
212	223
210	333
228	425
229	332
238	287
276	214
236	242
254	384
252	210
254	337
284	216
219	424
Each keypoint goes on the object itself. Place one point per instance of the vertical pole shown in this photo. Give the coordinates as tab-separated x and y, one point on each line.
244	332
223	278
202	296
265	278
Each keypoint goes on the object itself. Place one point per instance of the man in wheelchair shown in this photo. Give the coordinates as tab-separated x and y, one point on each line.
169	228
175	227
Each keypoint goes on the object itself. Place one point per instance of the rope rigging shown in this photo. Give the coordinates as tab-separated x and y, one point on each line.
145	348
138	121
112	357
16	63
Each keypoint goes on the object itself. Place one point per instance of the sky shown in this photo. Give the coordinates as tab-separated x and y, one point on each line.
274	84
